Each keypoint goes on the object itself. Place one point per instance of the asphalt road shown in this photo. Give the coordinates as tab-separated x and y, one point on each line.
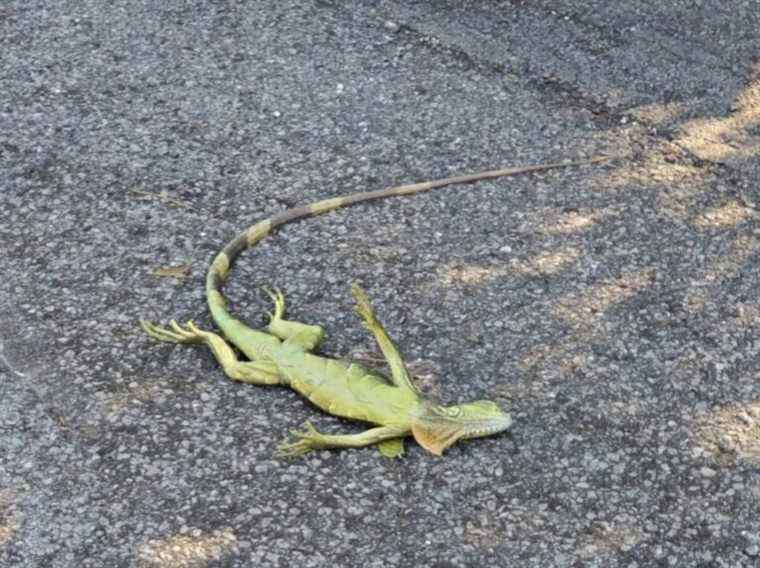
613	309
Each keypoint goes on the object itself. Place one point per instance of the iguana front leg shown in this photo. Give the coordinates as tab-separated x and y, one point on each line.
311	439
254	372
399	374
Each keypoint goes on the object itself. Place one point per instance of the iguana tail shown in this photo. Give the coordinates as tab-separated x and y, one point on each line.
220	267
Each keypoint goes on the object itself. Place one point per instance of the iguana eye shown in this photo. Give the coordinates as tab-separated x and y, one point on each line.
447	411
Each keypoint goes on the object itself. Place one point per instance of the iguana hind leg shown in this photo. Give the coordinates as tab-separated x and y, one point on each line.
254	372
310	439
292	332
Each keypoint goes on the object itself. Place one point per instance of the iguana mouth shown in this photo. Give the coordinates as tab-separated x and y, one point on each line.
489	427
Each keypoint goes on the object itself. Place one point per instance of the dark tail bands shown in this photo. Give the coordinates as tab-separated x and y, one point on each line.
223	261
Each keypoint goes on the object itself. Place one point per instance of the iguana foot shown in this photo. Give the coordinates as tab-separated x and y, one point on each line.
307	337
279	303
308	440
177	334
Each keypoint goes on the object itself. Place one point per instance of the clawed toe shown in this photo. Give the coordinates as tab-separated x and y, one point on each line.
157	332
292	449
192	327
279	302
177	333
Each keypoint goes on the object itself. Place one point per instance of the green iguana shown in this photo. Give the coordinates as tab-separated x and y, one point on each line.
283	354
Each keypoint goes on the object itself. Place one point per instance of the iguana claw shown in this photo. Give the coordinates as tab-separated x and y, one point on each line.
309	440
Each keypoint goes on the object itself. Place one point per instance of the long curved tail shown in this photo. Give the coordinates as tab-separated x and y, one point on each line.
220	267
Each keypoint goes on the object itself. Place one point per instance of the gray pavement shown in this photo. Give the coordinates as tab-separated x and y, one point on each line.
613	309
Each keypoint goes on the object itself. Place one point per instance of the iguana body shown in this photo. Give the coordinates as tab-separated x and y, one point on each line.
283	354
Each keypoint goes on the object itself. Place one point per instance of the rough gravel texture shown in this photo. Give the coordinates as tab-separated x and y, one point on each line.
613	309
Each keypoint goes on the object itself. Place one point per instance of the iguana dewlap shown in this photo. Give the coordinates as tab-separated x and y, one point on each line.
283	354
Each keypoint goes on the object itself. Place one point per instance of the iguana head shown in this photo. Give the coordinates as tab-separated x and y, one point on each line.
437	427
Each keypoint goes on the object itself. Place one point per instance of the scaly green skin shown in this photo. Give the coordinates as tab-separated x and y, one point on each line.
283	354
